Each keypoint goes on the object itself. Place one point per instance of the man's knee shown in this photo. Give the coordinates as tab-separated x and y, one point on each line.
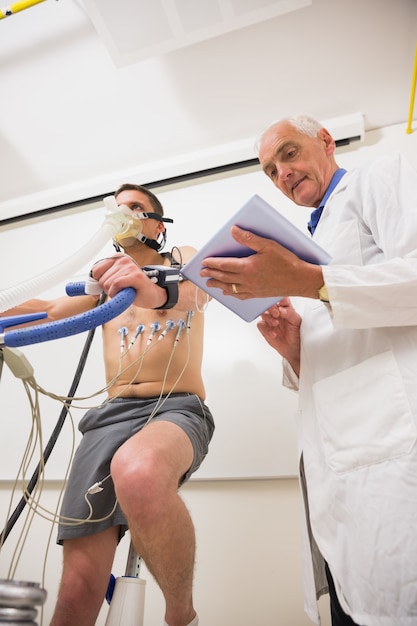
81	583
88	560
145	492
144	487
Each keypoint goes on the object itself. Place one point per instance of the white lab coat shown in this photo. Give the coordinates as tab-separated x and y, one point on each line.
357	429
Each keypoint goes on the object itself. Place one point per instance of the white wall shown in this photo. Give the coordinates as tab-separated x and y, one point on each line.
248	532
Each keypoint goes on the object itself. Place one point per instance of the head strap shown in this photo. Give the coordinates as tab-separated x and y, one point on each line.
143	215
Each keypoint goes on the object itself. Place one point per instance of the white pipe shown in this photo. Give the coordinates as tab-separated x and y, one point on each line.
114	223
127	605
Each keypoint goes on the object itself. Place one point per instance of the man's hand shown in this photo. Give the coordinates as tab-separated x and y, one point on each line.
271	271
120	271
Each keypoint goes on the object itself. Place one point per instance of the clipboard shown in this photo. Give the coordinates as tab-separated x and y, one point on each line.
262	219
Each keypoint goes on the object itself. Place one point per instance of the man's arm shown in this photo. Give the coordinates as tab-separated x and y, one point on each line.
120	271
56	309
190	297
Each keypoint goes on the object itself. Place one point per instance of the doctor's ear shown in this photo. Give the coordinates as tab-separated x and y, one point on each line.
329	142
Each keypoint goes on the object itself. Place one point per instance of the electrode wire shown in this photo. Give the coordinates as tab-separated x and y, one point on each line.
162	399
69	521
54	436
201	309
34	438
108	386
29	498
139	359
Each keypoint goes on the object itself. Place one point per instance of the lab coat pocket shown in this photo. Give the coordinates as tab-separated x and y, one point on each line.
364	415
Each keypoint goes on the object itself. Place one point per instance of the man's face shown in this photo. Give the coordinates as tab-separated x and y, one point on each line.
139	202
300	166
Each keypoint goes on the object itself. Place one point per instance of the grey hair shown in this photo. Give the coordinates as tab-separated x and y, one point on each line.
302	123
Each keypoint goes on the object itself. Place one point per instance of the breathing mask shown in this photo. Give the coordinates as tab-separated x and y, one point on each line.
132	230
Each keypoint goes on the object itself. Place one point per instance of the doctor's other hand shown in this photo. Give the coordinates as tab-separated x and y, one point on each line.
280	327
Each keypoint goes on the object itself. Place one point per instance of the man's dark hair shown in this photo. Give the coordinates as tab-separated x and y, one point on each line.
156	204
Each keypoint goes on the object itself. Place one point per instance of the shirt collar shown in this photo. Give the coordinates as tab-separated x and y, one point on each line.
316	214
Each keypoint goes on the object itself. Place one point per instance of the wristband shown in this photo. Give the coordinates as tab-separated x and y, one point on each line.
166	277
324	294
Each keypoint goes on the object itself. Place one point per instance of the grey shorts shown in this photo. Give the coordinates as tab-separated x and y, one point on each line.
104	430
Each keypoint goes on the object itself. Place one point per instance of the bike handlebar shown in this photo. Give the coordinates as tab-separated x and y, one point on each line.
70	325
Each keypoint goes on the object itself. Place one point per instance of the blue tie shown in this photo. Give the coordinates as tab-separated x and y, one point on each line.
316	214
314	219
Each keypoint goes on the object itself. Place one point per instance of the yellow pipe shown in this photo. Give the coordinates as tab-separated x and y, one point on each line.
18	6
413	93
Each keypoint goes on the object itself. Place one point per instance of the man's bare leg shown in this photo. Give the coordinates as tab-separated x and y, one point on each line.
146	471
85	578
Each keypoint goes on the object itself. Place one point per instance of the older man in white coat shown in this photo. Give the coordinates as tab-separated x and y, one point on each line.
350	349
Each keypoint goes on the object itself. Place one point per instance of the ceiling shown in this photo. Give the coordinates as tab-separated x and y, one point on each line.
86	104
145	28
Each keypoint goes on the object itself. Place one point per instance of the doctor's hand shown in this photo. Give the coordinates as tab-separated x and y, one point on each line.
280	327
271	271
